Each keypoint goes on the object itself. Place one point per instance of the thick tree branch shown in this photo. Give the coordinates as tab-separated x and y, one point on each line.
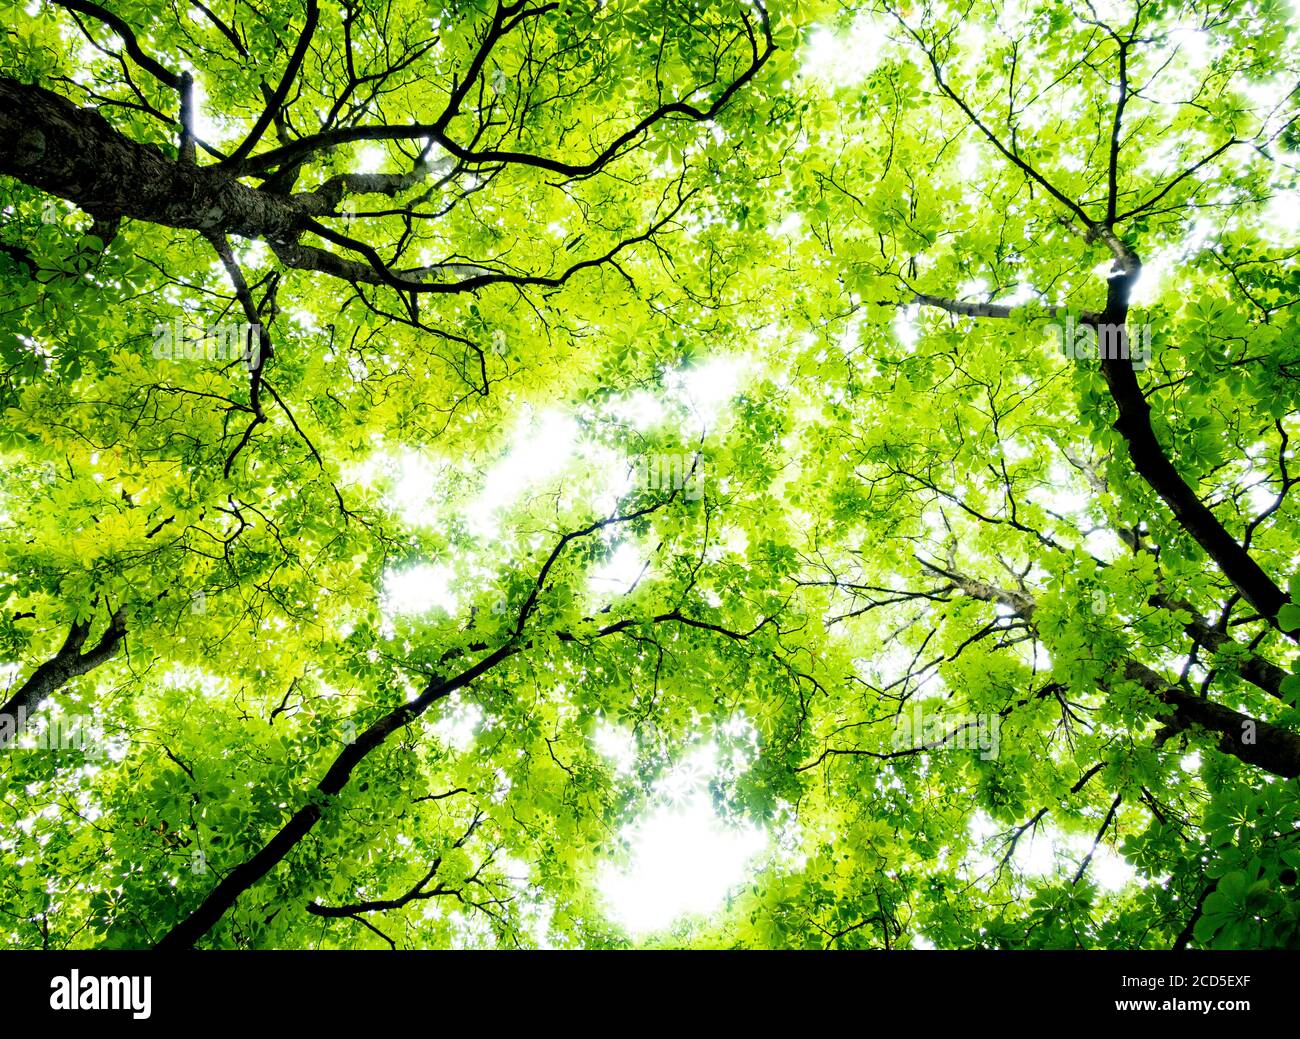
1262	744
68	663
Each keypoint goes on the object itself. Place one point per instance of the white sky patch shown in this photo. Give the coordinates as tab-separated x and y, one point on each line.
788	227
305	319
1024	293
1108	870
1104	544
619	572
1147	289
1261	496
892	661
642	411
370	159
544	448
972	45
845	58
614	473
1157	267
256	254
905	327
1282	215
1049	852
541	447
1065	498
708	387
9	672
618	746
684	857
969	161
684	861
412	494
458	724
418	589
207	126
182	677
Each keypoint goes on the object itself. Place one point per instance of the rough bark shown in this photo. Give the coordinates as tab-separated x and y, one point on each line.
50	143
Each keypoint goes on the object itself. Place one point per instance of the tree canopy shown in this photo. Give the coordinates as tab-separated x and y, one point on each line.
446	446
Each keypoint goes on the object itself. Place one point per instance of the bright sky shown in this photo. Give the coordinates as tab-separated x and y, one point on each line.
1048	852
842	59
684	861
545	450
683	857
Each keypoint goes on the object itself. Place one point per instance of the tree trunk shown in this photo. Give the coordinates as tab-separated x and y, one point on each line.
74	153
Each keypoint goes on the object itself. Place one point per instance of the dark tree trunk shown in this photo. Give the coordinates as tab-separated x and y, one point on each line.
50	143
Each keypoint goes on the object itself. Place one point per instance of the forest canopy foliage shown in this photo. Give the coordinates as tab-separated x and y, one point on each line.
476	471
